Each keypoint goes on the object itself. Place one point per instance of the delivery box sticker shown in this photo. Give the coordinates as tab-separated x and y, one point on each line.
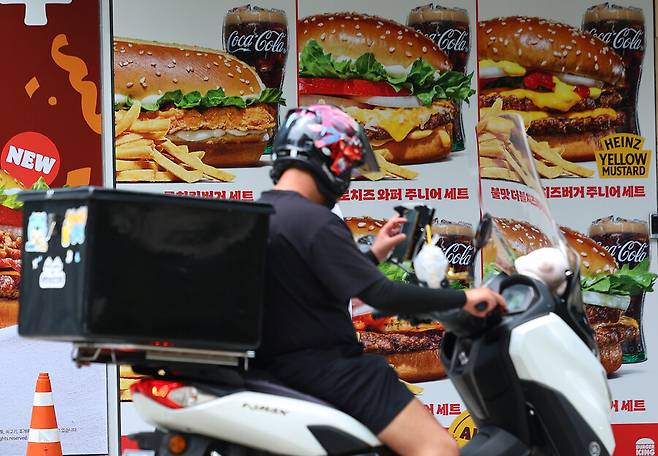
38	232
73	227
52	275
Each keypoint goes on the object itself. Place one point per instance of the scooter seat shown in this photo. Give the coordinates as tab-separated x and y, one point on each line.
264	382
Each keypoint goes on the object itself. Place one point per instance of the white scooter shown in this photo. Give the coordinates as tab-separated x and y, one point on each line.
530	378
533	385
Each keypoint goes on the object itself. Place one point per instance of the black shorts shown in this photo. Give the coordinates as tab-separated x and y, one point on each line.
363	386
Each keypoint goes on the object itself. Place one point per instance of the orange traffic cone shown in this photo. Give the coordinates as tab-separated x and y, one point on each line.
43	439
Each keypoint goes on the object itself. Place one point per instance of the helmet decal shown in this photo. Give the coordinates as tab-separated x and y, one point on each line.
325	141
343	147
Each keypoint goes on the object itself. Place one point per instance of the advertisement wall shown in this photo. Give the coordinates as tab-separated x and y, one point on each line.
200	87
589	171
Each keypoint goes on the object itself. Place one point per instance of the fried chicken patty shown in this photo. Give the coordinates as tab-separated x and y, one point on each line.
256	117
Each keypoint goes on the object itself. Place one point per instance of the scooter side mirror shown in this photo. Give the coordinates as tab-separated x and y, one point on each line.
483	233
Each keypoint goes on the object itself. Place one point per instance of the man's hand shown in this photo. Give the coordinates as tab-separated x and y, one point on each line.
485	296
388	237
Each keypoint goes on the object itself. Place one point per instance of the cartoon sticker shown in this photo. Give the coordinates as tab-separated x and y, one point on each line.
69	257
52	275
73	227
38	232
36	262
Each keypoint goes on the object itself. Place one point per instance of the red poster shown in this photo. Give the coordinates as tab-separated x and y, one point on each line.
51	127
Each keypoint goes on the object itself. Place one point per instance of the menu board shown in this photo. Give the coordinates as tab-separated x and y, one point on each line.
50	137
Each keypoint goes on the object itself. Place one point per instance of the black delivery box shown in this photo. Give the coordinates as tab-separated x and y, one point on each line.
106	266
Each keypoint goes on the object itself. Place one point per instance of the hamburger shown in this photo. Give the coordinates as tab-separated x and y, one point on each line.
522	237
393	80
565	83
606	294
412	350
216	103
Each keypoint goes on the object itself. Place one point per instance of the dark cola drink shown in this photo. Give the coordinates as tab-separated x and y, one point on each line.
258	37
628	242
456	241
622	28
448	28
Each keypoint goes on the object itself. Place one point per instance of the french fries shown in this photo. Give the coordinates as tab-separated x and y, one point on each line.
500	159
144	154
388	169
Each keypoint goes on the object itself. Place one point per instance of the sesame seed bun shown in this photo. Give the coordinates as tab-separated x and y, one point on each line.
417	366
142	69
353	34
594	259
364	226
523	238
551	46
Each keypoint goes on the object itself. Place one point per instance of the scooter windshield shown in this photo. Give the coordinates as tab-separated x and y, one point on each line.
513	196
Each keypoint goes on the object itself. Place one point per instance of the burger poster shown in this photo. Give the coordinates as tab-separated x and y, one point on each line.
581	76
408	73
418	77
198	92
50	136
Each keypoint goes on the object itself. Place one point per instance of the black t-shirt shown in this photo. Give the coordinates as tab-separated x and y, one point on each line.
313	268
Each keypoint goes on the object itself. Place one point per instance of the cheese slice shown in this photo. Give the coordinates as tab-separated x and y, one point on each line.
594	113
563	98
628	321
510	68
397	122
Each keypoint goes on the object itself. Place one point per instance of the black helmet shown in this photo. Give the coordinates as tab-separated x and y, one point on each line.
325	141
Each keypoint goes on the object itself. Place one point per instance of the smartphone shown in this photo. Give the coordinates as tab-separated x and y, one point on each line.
418	218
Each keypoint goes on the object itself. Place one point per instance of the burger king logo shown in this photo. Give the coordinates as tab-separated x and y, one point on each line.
645	447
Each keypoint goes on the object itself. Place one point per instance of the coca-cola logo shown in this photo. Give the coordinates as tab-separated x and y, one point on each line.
267	41
451	40
632	252
628	38
459	254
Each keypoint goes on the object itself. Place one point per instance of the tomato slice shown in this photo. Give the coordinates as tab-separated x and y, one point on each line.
348	87
366	321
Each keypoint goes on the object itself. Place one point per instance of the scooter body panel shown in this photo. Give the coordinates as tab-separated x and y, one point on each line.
577	396
260	421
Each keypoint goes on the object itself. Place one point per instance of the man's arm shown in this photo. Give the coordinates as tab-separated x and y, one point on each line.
398	297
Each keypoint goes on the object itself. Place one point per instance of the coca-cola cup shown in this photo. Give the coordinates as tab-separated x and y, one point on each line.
258	37
622	28
456	241
448	28
628	242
